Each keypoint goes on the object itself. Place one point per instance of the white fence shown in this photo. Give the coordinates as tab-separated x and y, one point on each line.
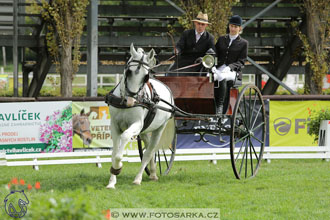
80	80
214	154
294	81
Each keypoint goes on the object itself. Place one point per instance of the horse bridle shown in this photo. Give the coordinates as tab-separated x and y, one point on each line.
128	72
80	132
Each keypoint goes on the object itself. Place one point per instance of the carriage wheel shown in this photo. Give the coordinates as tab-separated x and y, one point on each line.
163	157
248	135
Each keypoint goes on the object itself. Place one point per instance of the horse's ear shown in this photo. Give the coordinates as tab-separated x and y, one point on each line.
151	54
82	111
151	58
133	51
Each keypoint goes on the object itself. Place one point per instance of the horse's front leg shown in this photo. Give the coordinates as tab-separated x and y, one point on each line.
116	164
148	154
120	142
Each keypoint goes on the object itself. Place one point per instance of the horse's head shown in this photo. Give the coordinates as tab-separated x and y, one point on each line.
81	126
137	68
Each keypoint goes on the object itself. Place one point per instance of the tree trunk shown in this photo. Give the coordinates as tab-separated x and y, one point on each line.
282	67
66	70
312	84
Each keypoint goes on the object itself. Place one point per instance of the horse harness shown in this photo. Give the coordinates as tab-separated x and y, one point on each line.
136	99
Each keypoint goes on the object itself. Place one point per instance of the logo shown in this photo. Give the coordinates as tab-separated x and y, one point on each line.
282	126
102	112
15	204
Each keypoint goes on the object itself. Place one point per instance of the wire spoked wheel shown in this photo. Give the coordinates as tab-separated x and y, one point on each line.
248	135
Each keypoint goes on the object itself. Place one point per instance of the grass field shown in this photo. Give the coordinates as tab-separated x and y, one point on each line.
283	189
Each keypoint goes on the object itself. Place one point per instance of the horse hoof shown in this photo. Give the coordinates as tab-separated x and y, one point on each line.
110	186
136	182
153	178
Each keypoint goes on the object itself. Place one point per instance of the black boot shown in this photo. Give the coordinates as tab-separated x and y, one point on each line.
220	95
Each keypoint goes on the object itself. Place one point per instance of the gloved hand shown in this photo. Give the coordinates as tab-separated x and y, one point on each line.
214	70
215	73
227	69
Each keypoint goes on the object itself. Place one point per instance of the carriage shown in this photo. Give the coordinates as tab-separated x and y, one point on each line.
167	106
244	123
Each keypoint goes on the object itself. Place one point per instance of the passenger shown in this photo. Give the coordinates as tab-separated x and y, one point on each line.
231	50
193	45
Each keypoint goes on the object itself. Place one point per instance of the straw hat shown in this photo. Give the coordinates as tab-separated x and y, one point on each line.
202	18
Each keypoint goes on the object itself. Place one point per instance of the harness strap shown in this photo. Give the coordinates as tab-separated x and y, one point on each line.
149	118
129	102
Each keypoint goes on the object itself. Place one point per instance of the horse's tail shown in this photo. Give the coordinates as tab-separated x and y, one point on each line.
167	135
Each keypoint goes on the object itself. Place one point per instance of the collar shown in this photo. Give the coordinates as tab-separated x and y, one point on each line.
233	37
198	33
227	36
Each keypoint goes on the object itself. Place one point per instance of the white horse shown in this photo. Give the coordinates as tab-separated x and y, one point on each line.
129	122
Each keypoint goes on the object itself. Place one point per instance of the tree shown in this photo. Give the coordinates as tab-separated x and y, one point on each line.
65	21
316	44
218	12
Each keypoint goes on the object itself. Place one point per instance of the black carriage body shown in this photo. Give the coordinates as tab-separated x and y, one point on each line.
194	99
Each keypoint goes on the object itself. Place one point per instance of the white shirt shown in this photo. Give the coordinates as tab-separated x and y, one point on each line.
198	35
232	38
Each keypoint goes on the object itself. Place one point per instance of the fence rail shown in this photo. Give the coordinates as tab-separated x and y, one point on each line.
295	81
214	154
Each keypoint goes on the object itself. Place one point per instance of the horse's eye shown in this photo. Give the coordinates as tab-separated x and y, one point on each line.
128	72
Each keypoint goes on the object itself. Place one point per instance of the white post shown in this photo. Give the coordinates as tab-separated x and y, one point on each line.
99	165
324	137
327	154
214	161
268	160
35	166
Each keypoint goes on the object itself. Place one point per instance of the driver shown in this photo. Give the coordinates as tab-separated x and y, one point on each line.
193	45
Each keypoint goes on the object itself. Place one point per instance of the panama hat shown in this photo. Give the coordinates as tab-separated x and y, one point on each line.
202	18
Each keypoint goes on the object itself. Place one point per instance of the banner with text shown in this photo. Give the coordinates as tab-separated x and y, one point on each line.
287	124
97	122
91	125
34	127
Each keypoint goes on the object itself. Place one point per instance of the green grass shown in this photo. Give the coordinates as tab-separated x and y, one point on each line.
283	189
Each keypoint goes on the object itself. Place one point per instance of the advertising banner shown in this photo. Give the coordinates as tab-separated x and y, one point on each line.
287	124
91	125
97	122
3	81
35	127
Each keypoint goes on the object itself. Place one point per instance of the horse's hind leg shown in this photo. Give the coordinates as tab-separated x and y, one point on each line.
153	165
148	154
146	141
